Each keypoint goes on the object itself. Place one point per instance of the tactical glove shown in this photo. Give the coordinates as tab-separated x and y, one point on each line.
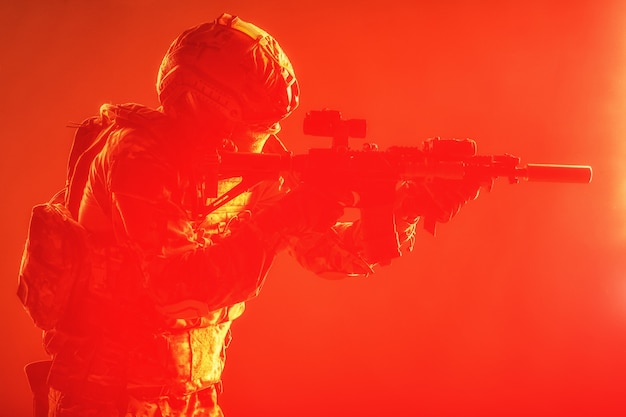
436	200
305	209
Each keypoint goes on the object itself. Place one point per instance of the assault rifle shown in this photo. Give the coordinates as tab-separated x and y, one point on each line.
373	174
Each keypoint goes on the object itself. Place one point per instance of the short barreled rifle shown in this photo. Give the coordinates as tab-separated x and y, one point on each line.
373	174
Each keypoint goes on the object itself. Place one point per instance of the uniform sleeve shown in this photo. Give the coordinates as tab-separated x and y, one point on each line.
177	263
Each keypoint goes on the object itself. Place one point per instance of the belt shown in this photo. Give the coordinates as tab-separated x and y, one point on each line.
160	391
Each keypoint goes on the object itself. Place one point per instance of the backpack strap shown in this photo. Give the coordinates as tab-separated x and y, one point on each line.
89	139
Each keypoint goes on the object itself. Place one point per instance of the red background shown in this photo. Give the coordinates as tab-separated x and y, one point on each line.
516	308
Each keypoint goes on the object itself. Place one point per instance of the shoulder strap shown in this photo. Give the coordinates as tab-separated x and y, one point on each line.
89	139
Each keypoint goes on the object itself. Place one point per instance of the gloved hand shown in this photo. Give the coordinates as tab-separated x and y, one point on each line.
302	210
435	201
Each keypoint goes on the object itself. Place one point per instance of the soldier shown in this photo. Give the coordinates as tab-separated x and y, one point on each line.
147	324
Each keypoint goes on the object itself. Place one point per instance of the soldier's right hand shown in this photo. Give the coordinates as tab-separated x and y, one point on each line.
303	210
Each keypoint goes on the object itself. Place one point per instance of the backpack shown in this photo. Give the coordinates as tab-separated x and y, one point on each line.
56	252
